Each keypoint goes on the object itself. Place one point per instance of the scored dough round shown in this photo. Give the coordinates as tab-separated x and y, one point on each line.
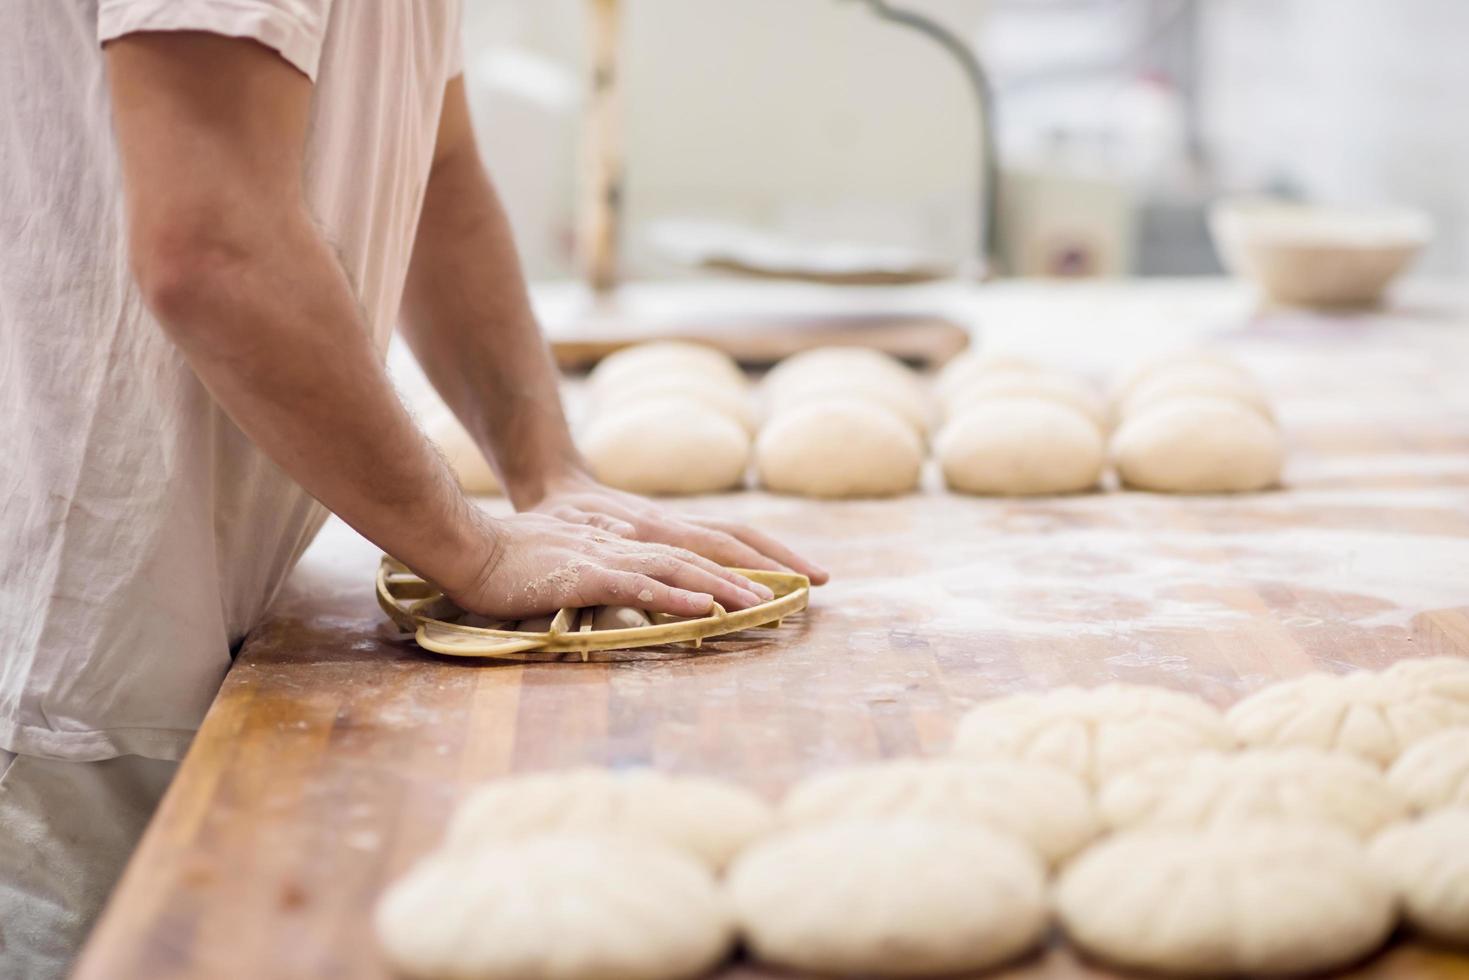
1428	863
1434	772
1259	899
1047	808
891	898
965	369
1368	714
1178	361
1095	733
471	469
674	358
1059	388
728	400
667	446
1198	445
1020	446
708	818
557	907
1196	382
839	448
1210	789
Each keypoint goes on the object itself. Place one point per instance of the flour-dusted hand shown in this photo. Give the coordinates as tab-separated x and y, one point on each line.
539	564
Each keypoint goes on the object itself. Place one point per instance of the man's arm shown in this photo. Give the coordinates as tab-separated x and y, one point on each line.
468	318
211	132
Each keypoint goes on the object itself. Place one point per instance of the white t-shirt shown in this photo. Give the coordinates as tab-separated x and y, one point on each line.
143	534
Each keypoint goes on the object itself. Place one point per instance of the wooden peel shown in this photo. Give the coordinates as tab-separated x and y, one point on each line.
601	216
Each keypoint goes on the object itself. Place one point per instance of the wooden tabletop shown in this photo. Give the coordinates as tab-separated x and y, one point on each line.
336	750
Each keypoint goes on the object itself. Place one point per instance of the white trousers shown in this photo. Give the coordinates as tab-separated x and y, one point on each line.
66	832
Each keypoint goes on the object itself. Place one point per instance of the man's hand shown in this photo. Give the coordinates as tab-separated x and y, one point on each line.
582	500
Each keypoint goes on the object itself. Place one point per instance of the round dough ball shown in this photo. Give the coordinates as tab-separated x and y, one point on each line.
1200	381
907	402
1059	388
1095	733
618	618
1020	446
1434	772
727	400
1372	715
1047	808
471	469
965	369
1211	789
1428	863
839	448
1262	899
889	898
667	446
1198	445
556	907
1178	361
666	358
707	818
1442	676
822	363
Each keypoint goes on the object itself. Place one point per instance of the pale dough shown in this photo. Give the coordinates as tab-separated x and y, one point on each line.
556	907
1257	899
1020	446
1196	382
669	446
1095	733
839	448
1198	445
726	399
1375	716
847	372
962	371
470	467
889	898
1214	789
666	358
708	818
618	618
1048	808
1049	386
1434	772
1177	361
1428	862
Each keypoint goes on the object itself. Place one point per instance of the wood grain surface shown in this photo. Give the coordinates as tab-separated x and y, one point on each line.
336	750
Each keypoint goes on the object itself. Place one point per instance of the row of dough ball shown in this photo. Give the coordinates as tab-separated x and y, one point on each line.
1212	860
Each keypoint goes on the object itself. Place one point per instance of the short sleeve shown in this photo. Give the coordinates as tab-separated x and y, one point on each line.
293	28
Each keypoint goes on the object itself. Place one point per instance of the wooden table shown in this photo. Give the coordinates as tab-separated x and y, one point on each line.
336	750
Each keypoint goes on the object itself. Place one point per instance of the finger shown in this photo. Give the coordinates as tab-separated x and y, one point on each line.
619	588
672	570
770	548
575	515
708	564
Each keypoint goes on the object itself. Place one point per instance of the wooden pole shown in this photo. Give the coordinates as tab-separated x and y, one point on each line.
601	212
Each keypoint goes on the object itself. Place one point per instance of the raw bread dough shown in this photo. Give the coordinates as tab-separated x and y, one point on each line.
1047	808
1375	716
536	624
1428	862
556	907
708	818
1213	789
1434	772
665	358
1200	381
1442	676
1020	446
820	363
1177	361
967	368
1059	388
470	467
907	402
619	618
667	446
1095	733
726	399
839	448
1259	899
891	898
1198	445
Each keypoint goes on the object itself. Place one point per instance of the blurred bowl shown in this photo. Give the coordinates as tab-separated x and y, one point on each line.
1318	256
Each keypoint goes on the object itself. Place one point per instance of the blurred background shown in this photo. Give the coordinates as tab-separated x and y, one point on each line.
1118	123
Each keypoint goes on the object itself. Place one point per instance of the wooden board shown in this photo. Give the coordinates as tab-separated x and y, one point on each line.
336	751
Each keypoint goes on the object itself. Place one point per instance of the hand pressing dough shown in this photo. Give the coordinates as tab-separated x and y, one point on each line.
839	448
888	898
666	358
1211	789
1372	715
1196	382
1434	773
1261	899
1178	361
967	368
556	907
619	618
1428	863
1059	388
1198	445
470	467
1094	733
725	399
707	818
1020	446
668	446
1047	808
